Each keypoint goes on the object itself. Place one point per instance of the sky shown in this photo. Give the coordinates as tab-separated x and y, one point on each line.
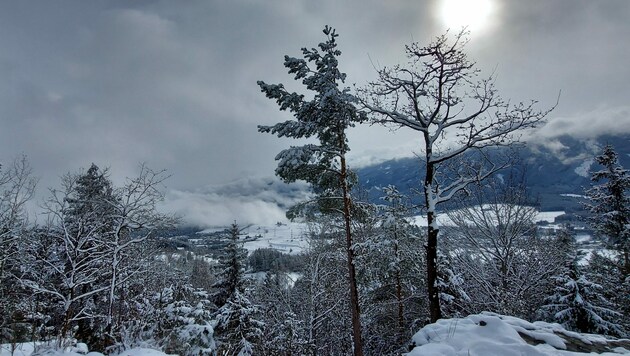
173	83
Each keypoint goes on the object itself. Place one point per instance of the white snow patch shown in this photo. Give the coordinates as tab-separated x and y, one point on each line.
291	238
28	348
548	216
583	169
573	195
442	219
494	334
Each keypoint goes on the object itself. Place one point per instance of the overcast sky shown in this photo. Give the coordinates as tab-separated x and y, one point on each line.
173	83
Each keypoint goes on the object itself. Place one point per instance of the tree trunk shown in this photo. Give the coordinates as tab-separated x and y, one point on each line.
399	300
354	295
435	311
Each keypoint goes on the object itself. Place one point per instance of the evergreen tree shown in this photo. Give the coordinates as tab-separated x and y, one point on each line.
326	117
88	218
391	269
237	324
450	285
610	205
232	269
603	270
577	303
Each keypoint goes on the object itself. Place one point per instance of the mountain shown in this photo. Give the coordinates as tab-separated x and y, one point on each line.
555	172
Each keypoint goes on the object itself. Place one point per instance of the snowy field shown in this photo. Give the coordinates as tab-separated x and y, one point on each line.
444	220
288	237
291	237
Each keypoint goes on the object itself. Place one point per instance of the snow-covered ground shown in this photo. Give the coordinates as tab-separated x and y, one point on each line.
288	237
444	220
493	334
27	349
485	334
291	237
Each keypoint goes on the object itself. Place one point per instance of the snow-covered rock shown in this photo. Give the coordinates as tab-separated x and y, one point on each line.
489	334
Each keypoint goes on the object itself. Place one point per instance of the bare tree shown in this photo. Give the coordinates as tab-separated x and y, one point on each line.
65	258
86	252
438	95
495	244
135	219
16	189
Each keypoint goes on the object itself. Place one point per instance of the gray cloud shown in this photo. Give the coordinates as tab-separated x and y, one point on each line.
173	83
247	200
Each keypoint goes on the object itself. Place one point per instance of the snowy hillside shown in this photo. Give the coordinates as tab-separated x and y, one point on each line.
493	334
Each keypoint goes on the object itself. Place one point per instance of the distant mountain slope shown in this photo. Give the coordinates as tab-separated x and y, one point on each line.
555	173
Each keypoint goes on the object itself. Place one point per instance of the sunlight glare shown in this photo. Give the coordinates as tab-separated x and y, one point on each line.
473	14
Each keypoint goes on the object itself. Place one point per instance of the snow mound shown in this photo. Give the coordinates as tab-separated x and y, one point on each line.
494	334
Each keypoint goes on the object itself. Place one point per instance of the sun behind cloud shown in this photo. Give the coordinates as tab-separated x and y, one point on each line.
475	15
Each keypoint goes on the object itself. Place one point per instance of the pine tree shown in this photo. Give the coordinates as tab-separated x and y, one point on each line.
610	205
326	117
391	274
237	325
602	269
88	216
450	285
577	303
232	269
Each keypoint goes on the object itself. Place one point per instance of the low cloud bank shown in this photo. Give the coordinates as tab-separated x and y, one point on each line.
246	201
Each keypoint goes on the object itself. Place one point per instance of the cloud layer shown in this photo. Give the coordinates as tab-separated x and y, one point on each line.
172	84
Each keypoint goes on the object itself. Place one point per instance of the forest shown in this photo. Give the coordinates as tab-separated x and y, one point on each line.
96	269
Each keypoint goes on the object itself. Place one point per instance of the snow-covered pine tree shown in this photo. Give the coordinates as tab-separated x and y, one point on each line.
88	216
450	285
285	332
237	325
610	205
577	303
231	269
603	270
65	262
327	116
391	266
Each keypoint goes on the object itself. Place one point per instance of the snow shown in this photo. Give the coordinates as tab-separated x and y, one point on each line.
290	238
584	168
494	334
28	348
573	196
442	219
548	216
